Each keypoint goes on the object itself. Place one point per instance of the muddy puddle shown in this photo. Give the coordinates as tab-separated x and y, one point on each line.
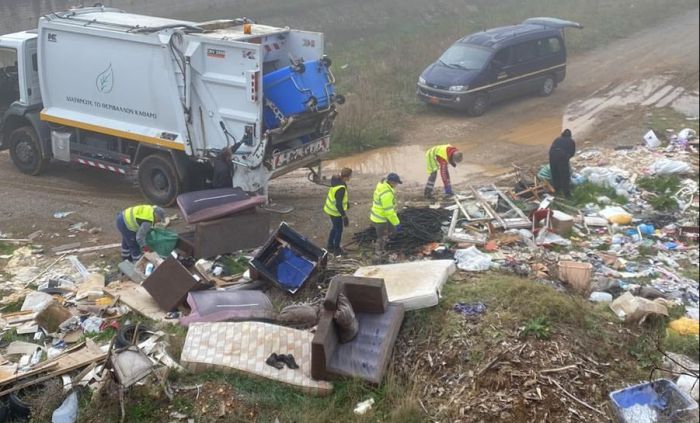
409	162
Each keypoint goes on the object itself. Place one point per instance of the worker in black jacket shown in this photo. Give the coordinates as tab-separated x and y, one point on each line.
335	207
562	149
223	170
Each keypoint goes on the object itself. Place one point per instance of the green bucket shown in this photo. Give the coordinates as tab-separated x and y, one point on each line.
162	241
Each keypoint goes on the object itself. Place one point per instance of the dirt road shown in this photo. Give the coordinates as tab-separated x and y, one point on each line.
658	66
607	88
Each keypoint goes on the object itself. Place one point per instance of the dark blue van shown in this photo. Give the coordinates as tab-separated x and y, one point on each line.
498	64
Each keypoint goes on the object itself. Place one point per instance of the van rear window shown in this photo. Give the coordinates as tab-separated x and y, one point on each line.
549	46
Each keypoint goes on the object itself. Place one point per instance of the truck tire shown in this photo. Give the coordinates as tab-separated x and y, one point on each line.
158	180
25	151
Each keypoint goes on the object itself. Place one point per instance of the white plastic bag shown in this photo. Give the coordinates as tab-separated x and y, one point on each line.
472	260
611	177
669	167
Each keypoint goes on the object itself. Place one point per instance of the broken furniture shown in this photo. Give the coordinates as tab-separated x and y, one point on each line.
288	259
201	206
169	284
226	220
244	347
220	306
415	284
367	355
244	231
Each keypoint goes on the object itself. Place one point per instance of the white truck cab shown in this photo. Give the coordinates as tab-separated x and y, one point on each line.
159	98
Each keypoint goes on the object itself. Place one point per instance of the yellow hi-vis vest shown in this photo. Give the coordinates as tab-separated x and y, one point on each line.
140	212
329	208
383	205
433	153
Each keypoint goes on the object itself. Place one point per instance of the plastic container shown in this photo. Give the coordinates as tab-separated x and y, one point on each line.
162	241
601	297
662	396
295	91
576	274
562	223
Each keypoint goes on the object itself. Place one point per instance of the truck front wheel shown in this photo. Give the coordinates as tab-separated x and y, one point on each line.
25	151
158	179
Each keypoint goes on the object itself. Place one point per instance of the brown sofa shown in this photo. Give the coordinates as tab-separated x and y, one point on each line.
367	355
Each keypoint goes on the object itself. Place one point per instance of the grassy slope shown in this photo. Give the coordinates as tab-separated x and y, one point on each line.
574	323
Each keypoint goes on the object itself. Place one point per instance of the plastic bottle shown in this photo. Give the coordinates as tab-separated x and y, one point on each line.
149	269
363	407
601	297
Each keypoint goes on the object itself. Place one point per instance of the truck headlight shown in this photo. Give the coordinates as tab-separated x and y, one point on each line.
459	87
421	80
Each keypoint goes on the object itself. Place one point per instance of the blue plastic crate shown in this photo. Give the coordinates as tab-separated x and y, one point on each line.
291	91
662	395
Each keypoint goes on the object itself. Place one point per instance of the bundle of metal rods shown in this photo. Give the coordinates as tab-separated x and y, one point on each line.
419	226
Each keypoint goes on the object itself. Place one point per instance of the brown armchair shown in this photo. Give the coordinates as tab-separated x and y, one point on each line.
367	355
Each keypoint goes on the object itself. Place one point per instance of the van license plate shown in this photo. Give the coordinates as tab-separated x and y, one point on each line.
433	100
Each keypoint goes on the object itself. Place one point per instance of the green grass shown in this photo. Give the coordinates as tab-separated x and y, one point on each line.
537	327
7	248
686	345
660	184
663	187
666	118
588	192
663	202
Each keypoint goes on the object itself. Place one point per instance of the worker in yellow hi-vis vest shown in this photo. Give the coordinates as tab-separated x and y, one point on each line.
336	207
437	158
134	224
383	214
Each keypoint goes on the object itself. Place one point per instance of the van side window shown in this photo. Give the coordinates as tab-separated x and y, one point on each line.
525	52
502	57
549	46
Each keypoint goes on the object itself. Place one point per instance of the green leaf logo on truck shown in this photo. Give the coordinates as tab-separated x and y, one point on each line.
105	80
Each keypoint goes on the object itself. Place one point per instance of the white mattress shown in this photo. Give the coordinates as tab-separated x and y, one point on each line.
414	284
244	346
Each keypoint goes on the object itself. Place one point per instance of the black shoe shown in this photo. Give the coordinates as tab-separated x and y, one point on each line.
288	359
274	361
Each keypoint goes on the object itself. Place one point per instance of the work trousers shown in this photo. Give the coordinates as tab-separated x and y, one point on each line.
384	231
130	248
431	184
336	234
561	173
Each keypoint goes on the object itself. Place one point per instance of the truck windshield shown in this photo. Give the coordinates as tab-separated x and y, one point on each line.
465	56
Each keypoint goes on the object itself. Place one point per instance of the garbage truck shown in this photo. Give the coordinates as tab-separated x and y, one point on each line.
157	99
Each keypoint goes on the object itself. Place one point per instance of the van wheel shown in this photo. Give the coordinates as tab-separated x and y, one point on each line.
25	151
548	86
158	180
479	105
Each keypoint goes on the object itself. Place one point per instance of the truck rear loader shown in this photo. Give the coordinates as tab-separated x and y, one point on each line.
158	98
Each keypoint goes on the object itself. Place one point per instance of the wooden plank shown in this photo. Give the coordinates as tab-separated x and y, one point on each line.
66	247
91	249
64	364
510	203
136	298
488	208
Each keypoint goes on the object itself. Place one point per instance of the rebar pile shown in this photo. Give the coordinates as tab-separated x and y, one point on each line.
419	226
